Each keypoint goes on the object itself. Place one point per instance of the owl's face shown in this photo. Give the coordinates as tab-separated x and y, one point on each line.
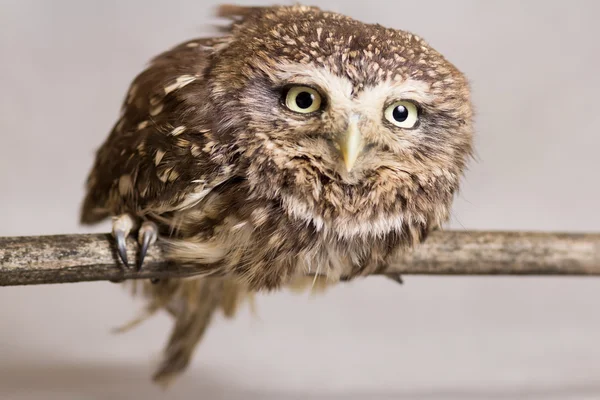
352	127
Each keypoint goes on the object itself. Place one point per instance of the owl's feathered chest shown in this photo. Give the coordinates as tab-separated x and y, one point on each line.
266	243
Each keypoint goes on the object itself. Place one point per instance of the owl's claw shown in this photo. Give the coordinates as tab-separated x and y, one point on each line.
122	247
147	237
122	226
396	278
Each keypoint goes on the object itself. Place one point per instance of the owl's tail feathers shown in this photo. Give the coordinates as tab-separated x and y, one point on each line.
192	302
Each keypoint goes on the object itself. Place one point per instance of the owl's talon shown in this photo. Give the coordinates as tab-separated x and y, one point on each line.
396	278
147	236
122	225
122	247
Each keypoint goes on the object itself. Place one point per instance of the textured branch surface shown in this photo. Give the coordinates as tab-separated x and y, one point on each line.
92	257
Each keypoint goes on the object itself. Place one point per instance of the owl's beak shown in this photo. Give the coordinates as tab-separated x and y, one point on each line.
351	143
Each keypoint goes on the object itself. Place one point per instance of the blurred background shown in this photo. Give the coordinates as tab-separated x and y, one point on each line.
533	65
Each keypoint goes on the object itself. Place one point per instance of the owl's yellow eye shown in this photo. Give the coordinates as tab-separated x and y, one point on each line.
302	99
403	114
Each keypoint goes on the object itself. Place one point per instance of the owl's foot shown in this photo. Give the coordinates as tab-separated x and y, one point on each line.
121	228
147	236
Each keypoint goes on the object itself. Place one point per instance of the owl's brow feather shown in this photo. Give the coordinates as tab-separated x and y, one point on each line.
342	87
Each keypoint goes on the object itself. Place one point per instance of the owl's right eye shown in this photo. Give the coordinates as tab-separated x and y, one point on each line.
303	99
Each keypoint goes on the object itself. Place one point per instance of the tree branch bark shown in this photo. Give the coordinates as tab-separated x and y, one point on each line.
34	260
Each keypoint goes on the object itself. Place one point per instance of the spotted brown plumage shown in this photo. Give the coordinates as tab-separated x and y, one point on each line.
299	142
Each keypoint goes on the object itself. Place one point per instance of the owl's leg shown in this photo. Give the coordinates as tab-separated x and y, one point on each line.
147	236
121	228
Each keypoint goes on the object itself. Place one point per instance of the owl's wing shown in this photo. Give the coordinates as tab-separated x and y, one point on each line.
158	156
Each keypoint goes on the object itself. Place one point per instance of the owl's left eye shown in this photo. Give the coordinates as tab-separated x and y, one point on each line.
403	114
303	99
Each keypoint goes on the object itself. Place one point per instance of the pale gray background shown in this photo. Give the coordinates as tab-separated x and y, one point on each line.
65	66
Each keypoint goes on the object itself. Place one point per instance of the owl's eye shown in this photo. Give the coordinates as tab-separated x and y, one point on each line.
302	99
403	114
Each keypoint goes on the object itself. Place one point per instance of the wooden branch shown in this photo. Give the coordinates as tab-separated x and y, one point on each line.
92	257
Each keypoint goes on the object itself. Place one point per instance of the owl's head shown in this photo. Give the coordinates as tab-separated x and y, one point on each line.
354	128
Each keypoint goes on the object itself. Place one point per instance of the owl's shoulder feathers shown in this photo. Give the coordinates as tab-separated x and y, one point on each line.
160	155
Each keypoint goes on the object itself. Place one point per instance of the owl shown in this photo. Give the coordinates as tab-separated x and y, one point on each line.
299	142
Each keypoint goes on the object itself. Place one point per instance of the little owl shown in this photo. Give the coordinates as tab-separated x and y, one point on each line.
301	142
